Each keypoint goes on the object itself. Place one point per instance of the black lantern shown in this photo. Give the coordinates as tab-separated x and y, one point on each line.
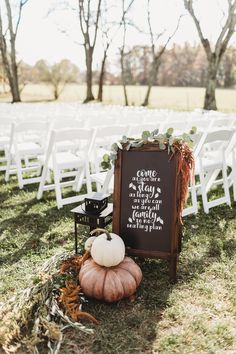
96	202
97	219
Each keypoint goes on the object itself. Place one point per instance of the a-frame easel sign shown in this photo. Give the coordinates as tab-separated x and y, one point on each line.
146	209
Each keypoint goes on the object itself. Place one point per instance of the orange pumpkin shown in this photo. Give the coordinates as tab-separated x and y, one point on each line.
110	283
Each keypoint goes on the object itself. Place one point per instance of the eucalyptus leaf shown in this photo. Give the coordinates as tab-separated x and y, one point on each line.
114	147
170	131
154	133
106	158
128	146
137	144
124	139
190	144
146	134
171	140
186	138
193	130
119	145
106	165
162	146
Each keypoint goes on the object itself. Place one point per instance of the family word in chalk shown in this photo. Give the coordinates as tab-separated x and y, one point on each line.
145	193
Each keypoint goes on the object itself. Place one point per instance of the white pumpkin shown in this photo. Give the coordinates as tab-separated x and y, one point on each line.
89	242
107	249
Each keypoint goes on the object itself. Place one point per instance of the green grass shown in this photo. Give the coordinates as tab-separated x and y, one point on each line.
177	98
195	315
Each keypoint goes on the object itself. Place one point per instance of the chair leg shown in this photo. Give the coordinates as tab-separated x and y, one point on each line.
19	172
88	179
42	181
226	184
58	191
8	166
204	192
105	187
79	180
234	177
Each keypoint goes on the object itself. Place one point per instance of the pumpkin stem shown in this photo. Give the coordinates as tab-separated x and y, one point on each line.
109	238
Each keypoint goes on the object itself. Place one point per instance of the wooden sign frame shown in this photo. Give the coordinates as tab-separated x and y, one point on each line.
175	229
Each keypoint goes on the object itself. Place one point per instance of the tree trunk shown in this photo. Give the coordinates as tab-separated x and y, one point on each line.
89	75
101	78
123	78
210	98
15	83
152	79
146	99
55	92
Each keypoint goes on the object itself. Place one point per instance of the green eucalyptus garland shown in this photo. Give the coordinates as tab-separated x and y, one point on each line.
165	141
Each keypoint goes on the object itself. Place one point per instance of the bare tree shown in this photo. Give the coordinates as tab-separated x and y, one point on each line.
107	40
156	53
214	55
88	19
124	24
8	47
57	75
109	31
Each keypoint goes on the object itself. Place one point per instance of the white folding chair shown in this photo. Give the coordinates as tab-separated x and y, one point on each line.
5	132
212	162
67	163
135	131
104	138
198	141
27	143
231	162
179	127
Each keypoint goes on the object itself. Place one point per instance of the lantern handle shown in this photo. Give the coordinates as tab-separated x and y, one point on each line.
109	238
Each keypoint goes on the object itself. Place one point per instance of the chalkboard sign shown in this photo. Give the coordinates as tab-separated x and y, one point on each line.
145	210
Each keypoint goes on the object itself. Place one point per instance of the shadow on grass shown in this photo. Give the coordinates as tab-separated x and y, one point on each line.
126	327
24	233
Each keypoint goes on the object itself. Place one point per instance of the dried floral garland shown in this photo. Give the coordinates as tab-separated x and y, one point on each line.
33	318
180	145
70	294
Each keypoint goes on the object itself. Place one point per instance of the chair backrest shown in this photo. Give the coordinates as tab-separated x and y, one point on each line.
179	127
217	141
67	124
30	126
23	132
219	135
5	126
223	123
198	141
110	134
73	139
135	131
202	125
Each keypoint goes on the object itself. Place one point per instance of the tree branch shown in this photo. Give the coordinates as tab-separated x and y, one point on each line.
96	22
227	30
81	11
205	42
22	3
169	38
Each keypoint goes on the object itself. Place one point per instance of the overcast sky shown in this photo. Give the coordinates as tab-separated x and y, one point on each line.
41	34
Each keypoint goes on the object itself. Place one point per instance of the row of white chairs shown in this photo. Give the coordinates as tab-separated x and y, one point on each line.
72	157
215	164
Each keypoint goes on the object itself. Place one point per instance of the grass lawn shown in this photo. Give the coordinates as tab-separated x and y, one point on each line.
196	315
177	98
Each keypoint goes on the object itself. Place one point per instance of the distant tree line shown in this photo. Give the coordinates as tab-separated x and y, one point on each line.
209	64
181	65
